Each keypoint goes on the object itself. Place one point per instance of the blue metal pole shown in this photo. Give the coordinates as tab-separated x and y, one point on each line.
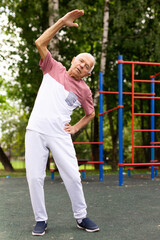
83	175
120	117
52	175
101	126
152	126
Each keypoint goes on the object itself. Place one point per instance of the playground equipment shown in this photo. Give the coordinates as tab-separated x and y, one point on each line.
136	95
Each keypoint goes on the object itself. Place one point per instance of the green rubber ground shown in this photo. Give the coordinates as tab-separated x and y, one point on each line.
122	213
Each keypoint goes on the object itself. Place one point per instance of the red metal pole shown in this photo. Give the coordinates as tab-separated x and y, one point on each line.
110	110
138	164
147	130
126	93
153	76
147	81
140	63
146	146
133	113
147	97
147	114
88	142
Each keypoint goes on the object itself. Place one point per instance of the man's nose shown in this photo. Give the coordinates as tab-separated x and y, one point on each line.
82	65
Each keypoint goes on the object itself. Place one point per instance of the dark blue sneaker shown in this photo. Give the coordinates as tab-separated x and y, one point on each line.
88	225
40	228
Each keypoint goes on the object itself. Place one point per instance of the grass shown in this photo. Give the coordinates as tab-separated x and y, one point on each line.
16	164
20	171
16	173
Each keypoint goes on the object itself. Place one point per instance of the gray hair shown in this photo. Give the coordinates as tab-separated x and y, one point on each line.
91	56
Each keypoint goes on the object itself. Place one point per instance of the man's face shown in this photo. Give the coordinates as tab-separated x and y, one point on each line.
81	66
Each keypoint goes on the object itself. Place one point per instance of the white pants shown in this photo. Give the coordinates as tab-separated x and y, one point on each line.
37	147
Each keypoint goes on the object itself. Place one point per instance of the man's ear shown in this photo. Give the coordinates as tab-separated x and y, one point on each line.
73	60
88	74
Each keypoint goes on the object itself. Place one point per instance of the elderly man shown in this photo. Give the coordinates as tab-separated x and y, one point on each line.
48	128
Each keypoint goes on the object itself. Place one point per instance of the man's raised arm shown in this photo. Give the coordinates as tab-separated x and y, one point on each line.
44	39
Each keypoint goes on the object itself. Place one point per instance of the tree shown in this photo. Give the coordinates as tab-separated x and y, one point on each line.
103	70
13	126
5	161
53	9
3	157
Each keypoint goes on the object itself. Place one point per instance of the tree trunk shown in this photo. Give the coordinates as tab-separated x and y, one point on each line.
95	148
104	46
5	161
105	37
53	8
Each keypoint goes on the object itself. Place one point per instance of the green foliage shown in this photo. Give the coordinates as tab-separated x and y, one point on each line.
13	125
134	32
2	97
31	18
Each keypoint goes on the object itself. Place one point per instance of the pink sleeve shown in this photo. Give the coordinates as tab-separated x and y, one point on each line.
49	64
88	104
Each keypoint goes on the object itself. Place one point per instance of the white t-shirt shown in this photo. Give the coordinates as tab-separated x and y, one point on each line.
58	95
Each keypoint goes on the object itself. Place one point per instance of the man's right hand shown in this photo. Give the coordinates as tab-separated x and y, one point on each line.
67	20
70	17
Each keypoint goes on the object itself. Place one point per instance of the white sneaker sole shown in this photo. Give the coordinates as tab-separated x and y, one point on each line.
39	234
88	230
